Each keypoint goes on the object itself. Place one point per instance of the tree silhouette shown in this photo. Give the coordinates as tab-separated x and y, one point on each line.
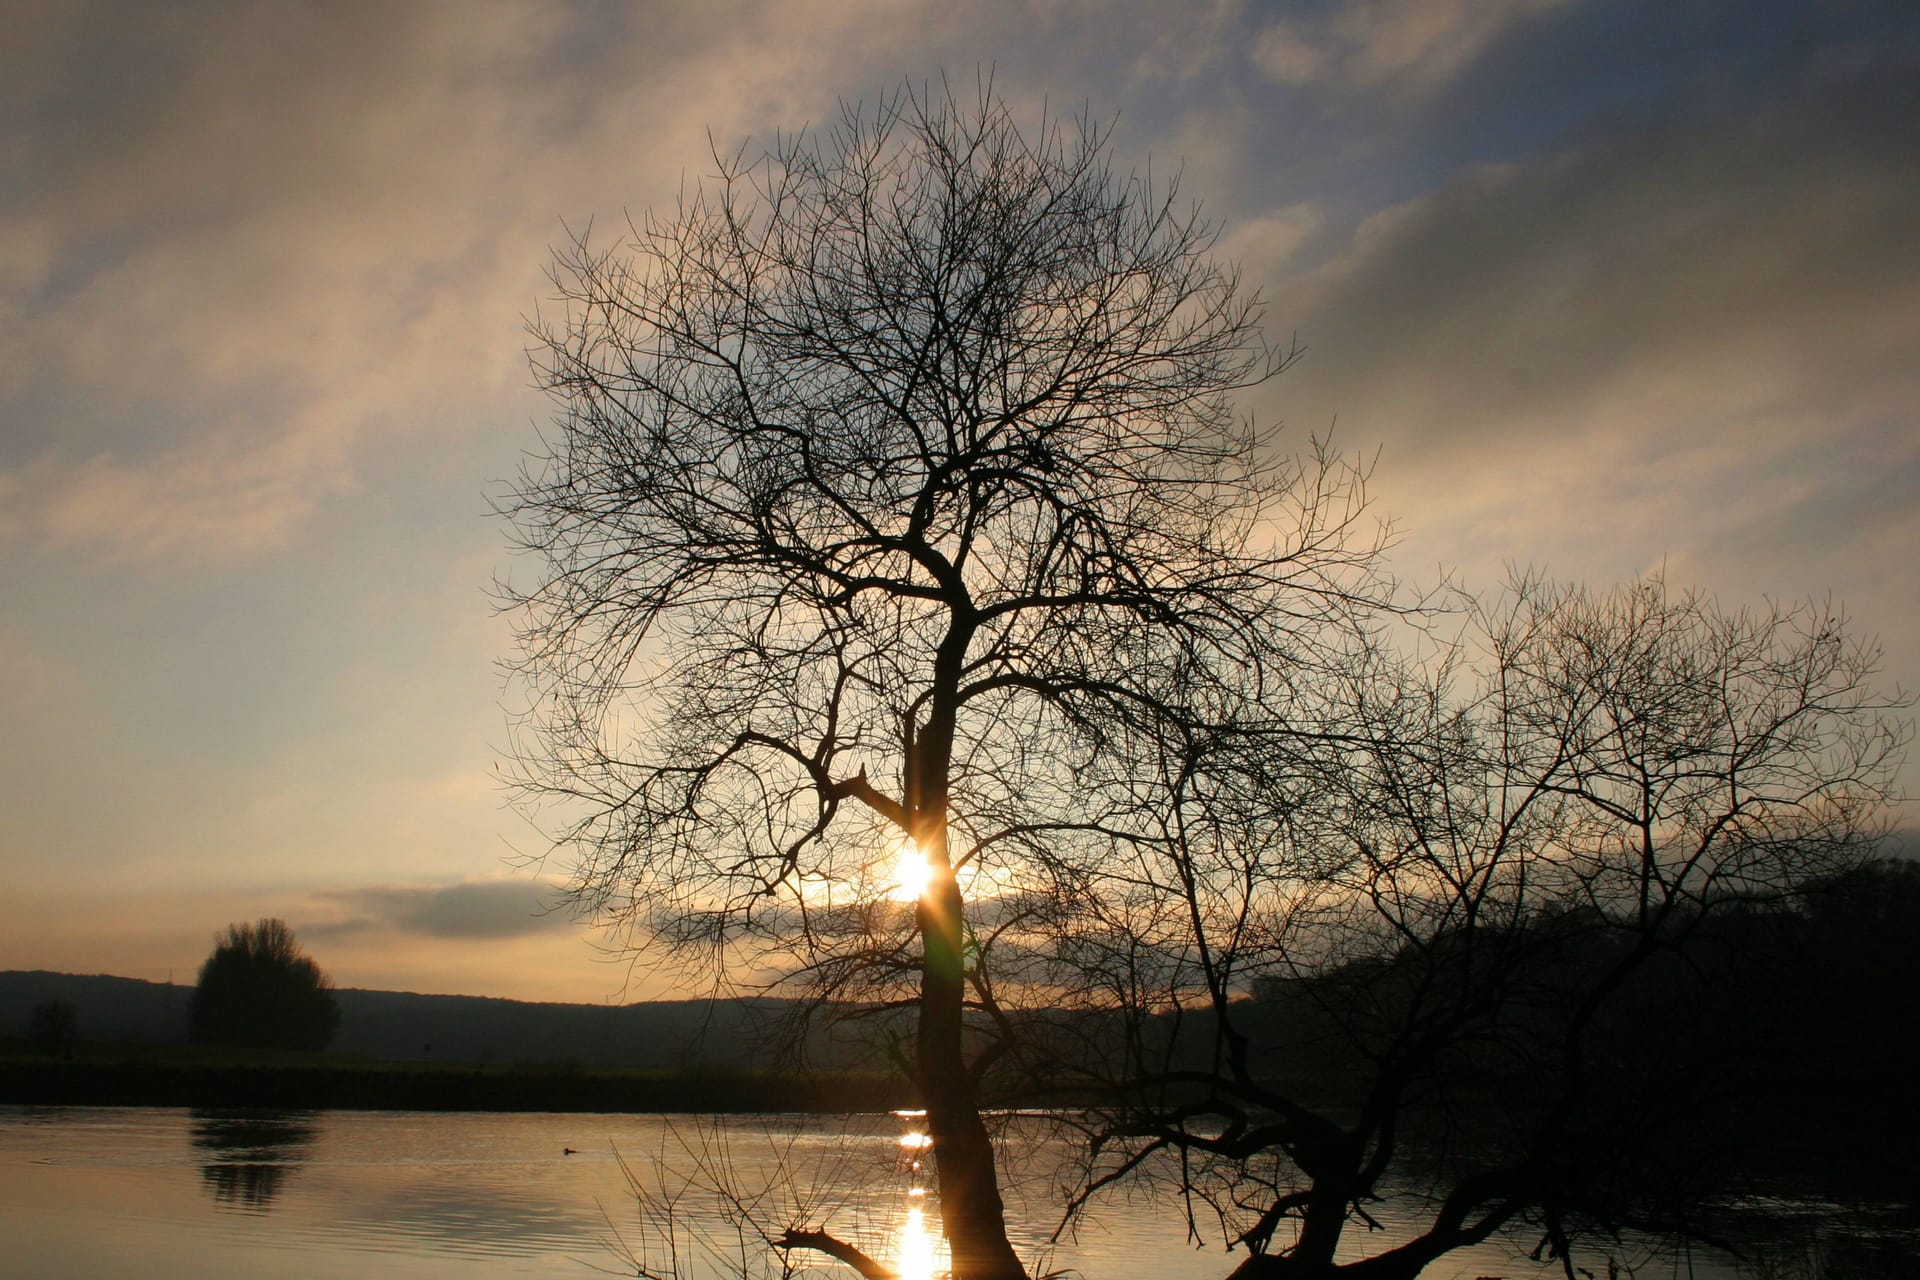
895	478
1480	913
53	1027
916	624
258	990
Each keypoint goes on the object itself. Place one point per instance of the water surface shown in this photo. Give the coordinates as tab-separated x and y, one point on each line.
172	1195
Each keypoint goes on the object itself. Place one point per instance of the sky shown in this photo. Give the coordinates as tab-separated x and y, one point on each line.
1609	287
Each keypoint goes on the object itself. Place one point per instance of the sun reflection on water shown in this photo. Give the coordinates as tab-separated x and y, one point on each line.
918	1248
914	1257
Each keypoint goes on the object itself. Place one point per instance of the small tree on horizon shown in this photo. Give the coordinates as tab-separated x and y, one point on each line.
53	1027
259	990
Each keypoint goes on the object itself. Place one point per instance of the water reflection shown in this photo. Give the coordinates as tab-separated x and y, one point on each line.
164	1195
914	1255
250	1154
916	1246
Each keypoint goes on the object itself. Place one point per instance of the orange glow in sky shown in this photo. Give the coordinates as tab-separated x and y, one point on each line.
243	574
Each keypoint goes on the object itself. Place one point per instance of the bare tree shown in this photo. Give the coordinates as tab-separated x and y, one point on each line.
53	1027
1445	941
896	491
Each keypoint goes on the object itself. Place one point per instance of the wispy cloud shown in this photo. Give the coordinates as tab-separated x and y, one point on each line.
193	504
1683	336
165	934
268	248
1404	46
474	910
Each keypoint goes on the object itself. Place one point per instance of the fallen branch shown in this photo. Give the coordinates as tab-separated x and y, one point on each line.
821	1242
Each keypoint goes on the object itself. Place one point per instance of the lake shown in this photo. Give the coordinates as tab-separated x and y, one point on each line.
169	1194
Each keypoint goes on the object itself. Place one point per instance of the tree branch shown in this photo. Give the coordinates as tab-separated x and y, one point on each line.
833	1247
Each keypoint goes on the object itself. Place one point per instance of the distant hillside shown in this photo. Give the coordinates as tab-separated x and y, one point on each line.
108	1008
404	1026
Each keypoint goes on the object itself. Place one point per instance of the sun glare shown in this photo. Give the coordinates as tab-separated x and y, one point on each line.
912	874
916	1247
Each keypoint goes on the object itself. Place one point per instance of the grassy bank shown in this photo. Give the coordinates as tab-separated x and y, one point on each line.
193	1076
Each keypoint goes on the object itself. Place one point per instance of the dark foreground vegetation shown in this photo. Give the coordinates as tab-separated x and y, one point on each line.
189	1076
1766	1051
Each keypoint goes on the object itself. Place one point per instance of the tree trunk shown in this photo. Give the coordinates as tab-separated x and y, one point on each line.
970	1207
1323	1223
971	1212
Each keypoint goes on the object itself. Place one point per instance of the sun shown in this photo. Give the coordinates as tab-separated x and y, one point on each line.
912	874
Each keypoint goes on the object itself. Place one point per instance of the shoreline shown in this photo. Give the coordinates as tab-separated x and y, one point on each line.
396	1086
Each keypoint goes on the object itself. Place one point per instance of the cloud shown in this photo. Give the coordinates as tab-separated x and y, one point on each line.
269	247
197	502
261	280
231	263
485	909
1265	246
1402	46
1686	334
164	934
259	251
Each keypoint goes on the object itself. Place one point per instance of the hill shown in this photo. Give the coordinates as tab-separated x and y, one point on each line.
404	1026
